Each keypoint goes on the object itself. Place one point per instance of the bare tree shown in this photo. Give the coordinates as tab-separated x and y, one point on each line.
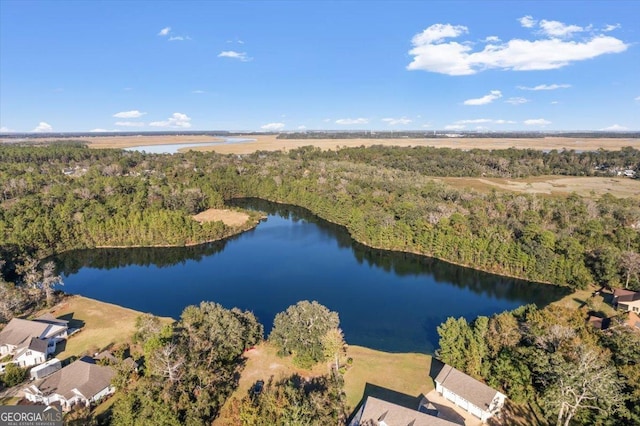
39	281
49	281
630	265
168	362
584	382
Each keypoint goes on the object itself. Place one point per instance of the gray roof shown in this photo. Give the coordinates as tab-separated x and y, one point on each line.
20	331
376	410
467	387
83	375
38	345
50	319
622	295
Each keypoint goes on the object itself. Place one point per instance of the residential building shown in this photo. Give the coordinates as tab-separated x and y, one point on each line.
81	382
31	341
468	393
377	412
626	300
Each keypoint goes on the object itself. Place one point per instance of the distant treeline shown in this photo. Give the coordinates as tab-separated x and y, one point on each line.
63	197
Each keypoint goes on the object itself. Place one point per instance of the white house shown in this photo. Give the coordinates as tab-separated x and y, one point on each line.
81	382
377	412
468	393
31	341
626	300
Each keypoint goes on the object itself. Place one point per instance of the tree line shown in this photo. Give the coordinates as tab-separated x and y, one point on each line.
553	360
65	196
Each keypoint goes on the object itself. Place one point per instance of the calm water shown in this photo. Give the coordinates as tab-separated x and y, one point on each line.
173	148
387	301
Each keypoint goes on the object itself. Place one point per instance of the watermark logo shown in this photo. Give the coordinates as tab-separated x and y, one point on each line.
30	415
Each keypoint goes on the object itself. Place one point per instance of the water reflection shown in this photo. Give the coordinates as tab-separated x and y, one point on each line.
386	300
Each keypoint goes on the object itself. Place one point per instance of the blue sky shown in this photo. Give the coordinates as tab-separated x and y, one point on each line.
264	65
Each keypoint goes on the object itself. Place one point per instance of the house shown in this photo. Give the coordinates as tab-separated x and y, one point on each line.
468	393
598	322
626	300
81	382
377	412
31	341
633	321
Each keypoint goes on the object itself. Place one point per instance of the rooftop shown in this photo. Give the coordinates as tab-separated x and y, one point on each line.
466	386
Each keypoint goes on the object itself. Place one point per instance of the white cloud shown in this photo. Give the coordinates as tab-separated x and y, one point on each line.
43	127
101	131
559	29
475	121
241	56
177	120
165	31
395	121
615	128
454	127
179	38
129	114
484	121
352	121
129	123
527	21
6	130
198	91
302	127
517	100
492	39
610	27
554	102
536	122
487	99
637	99
433	53
546	87
273	126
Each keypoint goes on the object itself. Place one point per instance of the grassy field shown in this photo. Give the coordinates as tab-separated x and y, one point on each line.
407	373
272	143
102	325
598	303
371	371
592	187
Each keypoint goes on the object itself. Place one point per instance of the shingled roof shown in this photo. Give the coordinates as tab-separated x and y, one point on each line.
467	387
81	375
622	295
20	331
376	411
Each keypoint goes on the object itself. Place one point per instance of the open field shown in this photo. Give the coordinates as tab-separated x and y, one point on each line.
228	217
407	373
102	325
620	187
271	143
404	373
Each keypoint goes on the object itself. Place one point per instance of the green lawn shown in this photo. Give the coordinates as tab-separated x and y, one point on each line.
406	373
102	325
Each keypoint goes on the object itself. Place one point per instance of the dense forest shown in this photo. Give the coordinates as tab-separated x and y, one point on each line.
66	196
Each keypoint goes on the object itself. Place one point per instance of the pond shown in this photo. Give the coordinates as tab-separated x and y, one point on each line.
173	148
386	300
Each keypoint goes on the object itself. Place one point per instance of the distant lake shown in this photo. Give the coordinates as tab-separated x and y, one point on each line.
173	148
386	300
